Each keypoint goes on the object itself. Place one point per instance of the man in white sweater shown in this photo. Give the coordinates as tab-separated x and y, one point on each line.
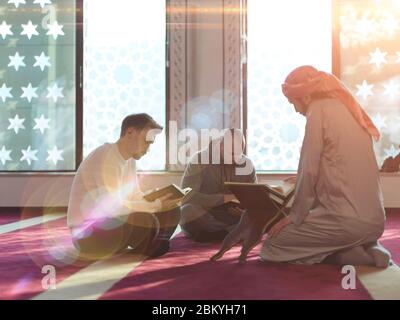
107	213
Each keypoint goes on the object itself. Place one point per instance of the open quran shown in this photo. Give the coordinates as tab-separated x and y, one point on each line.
259	195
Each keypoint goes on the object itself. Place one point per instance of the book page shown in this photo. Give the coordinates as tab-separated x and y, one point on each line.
172	189
282	187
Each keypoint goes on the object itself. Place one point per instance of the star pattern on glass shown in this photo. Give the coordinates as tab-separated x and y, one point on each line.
5	155
29	155
16	35
364	90
392	89
55	92
16	124
29	30
42	124
42	3
5	92
369	43
5	30
17	61
17	2
42	61
55	155
29	92
55	30
378	57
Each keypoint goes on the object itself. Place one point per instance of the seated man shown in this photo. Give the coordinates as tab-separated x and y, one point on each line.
211	212
107	212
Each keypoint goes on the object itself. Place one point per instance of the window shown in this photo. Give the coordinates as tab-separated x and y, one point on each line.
281	35
370	64
124	54
124	58
38	85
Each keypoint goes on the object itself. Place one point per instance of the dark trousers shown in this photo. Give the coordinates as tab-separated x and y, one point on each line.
210	225
140	231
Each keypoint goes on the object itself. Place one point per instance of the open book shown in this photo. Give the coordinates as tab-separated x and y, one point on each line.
177	193
281	192
258	195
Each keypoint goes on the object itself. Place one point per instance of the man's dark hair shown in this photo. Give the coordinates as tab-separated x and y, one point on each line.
139	121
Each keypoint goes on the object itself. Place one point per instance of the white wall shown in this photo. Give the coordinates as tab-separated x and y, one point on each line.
42	191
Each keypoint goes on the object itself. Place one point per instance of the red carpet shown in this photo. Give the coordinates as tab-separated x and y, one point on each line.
184	273
24	253
8	218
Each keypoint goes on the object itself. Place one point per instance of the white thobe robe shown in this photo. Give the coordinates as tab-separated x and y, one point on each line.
338	202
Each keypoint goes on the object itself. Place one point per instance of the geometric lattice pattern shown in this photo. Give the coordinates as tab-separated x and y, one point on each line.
281	36
124	71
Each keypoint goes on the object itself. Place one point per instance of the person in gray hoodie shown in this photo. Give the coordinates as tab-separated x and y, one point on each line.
212	211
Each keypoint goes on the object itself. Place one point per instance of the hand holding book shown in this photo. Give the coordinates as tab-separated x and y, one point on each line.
170	196
252	195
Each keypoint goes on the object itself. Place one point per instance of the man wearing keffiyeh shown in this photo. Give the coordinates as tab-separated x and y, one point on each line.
337	215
